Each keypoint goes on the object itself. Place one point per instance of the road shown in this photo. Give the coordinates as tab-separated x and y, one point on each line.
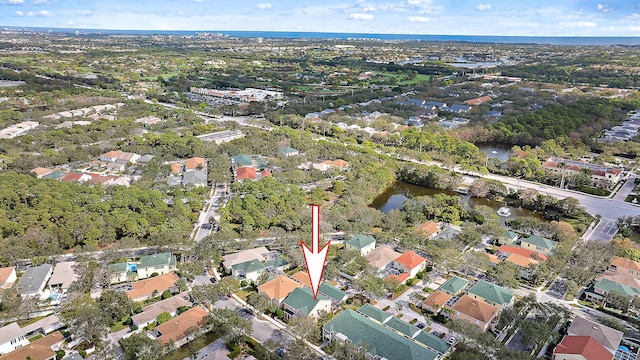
217	199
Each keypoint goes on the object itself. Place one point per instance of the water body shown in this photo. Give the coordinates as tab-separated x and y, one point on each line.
551	40
396	194
475	65
495	151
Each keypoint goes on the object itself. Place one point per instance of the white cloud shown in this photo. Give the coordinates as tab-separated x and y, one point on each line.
41	13
634	16
360	16
85	13
13	2
264	6
634	28
420	19
586	24
603	8
70	22
18	13
483	7
368	8
41	2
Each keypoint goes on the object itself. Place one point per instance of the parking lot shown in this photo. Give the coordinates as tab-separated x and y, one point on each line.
605	230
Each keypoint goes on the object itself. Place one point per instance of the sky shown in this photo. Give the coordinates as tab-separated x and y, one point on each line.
425	17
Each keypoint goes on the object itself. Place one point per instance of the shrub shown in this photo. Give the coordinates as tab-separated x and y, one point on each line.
243	283
280	314
166	294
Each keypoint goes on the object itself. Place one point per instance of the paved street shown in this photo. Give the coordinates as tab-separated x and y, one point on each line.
203	226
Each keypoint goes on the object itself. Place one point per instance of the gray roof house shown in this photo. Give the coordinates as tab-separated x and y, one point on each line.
195	177
33	280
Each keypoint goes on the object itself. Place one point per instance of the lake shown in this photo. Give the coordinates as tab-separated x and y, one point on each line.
495	151
396	194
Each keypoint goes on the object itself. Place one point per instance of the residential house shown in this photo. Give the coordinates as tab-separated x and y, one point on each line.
43	326
222	136
196	163
454	285
539	244
610	281
120	272
41	349
149	288
523	258
162	263
382	257
608	337
436	301
7	277
602	176
278	288
580	348
364	244
302	303
241	161
410	263
625	266
76	177
110	156
379	341
150	312
509	238
39	172
11	338
176	168
248	270
229	260
458	108
178	328
432	105
245	172
429	229
476	312
33	280
63	275
115	167
336	295
493	294
478	101
195	178
287	151
127	157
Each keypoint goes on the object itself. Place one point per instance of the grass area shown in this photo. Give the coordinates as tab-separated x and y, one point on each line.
193	346
39	336
243	294
594	191
118	326
400	291
415	80
630	199
24	323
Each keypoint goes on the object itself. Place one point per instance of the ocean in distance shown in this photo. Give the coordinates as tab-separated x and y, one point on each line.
551	40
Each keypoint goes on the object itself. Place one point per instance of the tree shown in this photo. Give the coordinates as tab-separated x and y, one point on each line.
164	317
115	305
298	350
259	302
85	319
206	294
479	188
140	347
229	325
617	301
505	274
470	236
305	326
227	286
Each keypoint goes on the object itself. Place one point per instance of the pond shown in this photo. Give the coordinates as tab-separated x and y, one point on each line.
496	151
396	194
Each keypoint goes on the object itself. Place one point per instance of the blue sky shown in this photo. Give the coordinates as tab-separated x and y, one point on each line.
449	17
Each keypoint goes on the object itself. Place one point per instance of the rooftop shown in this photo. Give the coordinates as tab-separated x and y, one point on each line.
491	292
146	287
381	256
302	299
476	309
157	260
5	272
376	338
361	241
437	299
410	259
374	313
608	337
175	328
63	274
540	241
37	350
586	346
454	285
33	279
151	312
279	287
625	263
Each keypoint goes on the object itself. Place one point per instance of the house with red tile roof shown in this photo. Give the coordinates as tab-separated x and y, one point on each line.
246	172
39	172
429	229
145	289
580	348
76	176
625	266
478	101
410	263
474	311
176	329
602	176
436	301
7	277
196	163
278	288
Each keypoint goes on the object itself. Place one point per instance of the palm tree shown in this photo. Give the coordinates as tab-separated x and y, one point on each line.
562	165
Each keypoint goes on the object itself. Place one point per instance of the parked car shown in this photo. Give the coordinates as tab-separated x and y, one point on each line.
420	326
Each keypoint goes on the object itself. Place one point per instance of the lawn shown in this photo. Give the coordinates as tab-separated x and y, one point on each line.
194	345
415	80
118	326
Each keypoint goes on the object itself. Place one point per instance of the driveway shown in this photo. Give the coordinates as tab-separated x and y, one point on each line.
217	350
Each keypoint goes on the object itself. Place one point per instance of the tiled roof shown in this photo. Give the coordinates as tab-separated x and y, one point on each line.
476	309
40	171
245	255
608	337
248	266
10	332
157	260
5	272
377	339
625	263
433	342
279	287
438	298
400	278
361	241
175	328
609	285
374	313
540	241
522	252
454	285
146	287
151	312
246	172
302	299
491	292
410	259
402	327
428	228
175	168
193	163
324	288
37	350
586	346
112	154
242	160
381	256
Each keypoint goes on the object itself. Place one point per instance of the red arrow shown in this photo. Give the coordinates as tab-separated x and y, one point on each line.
313	257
